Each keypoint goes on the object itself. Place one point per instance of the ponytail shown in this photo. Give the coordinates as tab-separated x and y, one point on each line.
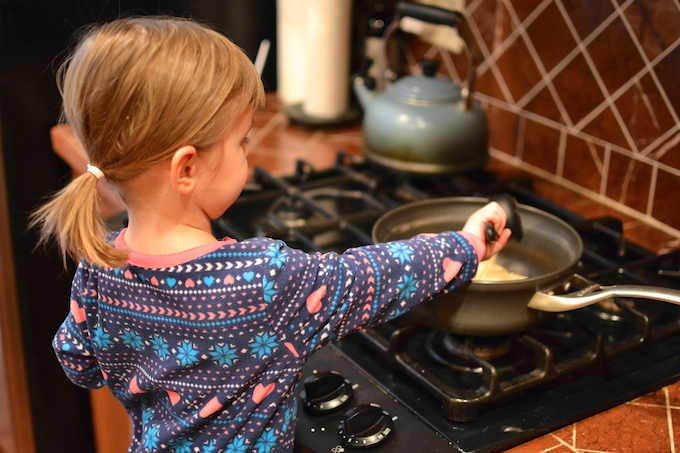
74	219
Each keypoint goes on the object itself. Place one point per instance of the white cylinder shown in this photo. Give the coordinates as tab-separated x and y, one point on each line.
328	58
291	55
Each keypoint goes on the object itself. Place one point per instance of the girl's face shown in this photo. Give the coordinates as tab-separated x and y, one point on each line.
225	168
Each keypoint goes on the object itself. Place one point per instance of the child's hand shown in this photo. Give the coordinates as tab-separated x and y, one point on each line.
493	213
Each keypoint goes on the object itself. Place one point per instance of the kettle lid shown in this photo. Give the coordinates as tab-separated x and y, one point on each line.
427	87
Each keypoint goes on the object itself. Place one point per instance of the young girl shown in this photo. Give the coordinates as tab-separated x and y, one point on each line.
202	340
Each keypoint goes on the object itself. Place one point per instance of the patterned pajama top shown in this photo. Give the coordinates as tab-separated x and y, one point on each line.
205	348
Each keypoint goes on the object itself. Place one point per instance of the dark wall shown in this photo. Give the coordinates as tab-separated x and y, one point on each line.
34	36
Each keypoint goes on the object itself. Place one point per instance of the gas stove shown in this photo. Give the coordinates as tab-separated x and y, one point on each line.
402	386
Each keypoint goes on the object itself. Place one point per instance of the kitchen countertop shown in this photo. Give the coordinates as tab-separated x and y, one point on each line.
646	424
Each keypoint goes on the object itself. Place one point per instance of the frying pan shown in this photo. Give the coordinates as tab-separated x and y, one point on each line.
548	254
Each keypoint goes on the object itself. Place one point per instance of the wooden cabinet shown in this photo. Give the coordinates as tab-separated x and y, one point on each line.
112	426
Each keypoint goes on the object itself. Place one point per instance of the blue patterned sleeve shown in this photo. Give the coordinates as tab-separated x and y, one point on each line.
72	342
323	297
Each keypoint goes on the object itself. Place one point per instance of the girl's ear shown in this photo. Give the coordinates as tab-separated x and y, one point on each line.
183	169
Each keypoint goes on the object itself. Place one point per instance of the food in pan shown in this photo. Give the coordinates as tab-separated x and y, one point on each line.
490	270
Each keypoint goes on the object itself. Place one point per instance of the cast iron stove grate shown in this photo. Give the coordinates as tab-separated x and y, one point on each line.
606	355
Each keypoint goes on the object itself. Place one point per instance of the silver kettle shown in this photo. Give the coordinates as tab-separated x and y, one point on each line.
424	123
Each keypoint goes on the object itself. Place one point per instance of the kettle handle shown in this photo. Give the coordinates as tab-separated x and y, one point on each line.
438	16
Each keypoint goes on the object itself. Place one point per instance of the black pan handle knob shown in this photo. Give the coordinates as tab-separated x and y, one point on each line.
514	222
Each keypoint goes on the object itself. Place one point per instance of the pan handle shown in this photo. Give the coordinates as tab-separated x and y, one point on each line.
547	300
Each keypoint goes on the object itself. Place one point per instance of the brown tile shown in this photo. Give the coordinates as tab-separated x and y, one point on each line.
667	72
586	16
487	83
669	153
650	21
606	127
493	21
644	111
558	194
665	200
540	146
543	104
503	129
551	37
621	430
578	89
615	55
649	237
583	163
628	181
518	68
523	9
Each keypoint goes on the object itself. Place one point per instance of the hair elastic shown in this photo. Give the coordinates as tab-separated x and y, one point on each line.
95	171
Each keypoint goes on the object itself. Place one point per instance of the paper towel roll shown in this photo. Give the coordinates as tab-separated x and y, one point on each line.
291	55
328	57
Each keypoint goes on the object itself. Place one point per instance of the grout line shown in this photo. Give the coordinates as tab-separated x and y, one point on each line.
582	45
545	80
649	64
579	134
652	190
481	68
651	221
671	435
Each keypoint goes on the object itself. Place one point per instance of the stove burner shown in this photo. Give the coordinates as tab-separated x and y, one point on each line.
292	212
575	363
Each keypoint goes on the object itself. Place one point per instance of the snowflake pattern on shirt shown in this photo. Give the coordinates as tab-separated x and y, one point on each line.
206	353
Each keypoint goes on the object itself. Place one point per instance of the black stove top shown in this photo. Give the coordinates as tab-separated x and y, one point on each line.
441	392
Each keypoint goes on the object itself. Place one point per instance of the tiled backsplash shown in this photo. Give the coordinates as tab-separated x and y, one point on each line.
586	94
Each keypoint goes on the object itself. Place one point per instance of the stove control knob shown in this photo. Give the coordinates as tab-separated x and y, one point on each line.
325	392
365	426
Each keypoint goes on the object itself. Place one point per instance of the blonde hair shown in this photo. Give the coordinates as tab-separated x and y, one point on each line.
134	91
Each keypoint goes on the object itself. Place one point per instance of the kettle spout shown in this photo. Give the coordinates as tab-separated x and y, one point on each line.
364	94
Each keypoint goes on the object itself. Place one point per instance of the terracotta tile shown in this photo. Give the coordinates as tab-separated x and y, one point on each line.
629	181
566	434
583	163
286	135
620	430
551	37
578	89
615	55
586	16
675	421
649	20
540	146
665	200
674	395
657	398
645	112
540	445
